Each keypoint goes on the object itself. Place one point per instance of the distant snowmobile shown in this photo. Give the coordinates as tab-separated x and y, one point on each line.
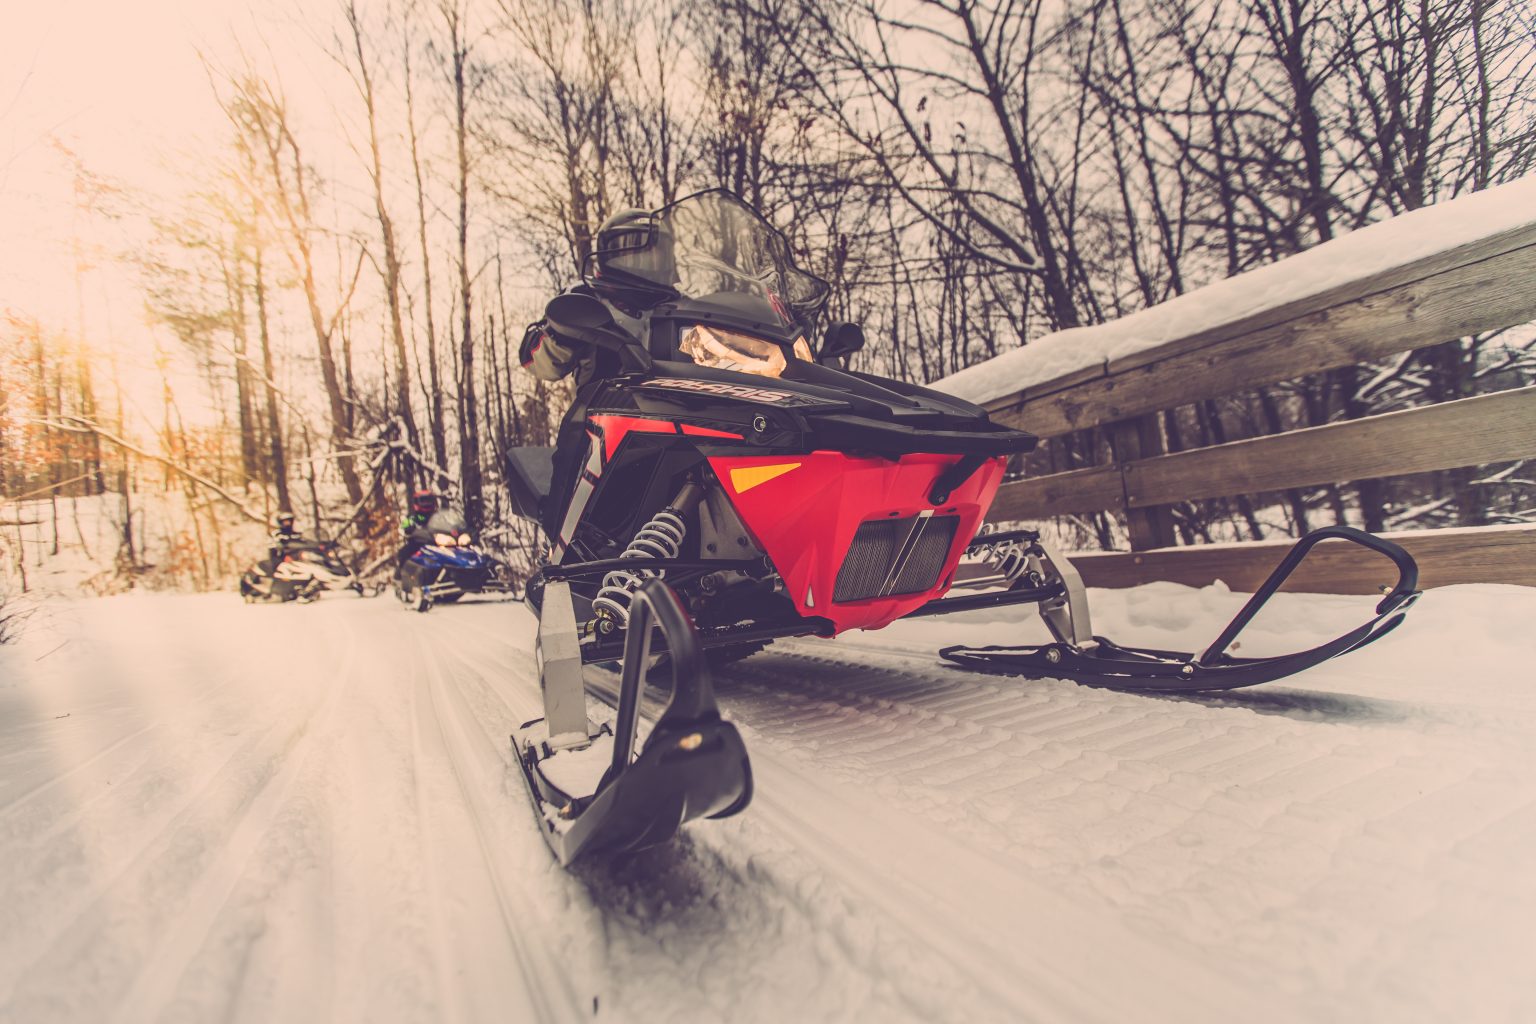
450	567
298	571
716	486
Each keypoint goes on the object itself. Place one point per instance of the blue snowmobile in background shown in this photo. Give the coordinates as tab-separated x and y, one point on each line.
442	565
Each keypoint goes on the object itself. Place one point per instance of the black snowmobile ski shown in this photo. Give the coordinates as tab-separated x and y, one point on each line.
1083	657
692	764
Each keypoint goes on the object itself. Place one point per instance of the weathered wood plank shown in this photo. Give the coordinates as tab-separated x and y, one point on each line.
1012	404
1472	431
1489	554
1490	293
1077	490
1487	428
1429	267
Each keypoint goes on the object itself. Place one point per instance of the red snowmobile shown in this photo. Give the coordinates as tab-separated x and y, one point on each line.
717	486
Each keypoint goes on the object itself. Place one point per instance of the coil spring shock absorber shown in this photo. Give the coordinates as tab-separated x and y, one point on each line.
661	537
1008	560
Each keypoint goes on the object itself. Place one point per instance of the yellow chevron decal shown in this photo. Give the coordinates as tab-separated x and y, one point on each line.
745	479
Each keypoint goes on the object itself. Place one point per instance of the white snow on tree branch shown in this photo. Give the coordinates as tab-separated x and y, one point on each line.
1352	257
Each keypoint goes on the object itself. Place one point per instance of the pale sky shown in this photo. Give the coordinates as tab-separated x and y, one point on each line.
121	83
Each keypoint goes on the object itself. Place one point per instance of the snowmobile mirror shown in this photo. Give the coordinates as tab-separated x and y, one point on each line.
843	339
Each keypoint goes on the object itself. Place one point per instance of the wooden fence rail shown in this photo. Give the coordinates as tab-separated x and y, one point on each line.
1480	286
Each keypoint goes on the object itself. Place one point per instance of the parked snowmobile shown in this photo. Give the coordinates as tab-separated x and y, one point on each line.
720	487
449	567
298	571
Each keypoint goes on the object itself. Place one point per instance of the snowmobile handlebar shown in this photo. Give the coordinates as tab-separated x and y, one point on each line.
587	319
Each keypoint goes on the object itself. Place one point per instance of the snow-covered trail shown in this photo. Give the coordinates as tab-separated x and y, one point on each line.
209	811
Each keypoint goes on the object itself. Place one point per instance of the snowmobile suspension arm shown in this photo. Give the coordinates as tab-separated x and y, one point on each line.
996	599
599	651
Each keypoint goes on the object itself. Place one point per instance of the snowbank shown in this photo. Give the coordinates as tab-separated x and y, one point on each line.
1359	254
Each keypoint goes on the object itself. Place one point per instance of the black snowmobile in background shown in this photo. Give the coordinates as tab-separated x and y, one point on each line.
717	485
298	571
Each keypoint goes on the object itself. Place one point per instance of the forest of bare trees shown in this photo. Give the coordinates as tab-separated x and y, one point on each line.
968	175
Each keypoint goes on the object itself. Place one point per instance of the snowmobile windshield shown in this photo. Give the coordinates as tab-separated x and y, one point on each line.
447	521
712	242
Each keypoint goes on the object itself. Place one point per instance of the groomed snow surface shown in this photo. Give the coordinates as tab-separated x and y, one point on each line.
217	812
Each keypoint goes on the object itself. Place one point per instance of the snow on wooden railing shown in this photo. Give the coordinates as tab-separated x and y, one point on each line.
1419	279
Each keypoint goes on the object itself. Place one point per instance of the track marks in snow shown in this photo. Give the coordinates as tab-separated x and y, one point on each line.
204	839
1305	846
750	909
176	948
512	967
133	897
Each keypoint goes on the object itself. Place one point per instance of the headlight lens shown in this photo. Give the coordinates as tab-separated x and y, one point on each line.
444	540
720	349
465	540
803	349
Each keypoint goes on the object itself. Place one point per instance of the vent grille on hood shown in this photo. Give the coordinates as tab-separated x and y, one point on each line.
895	556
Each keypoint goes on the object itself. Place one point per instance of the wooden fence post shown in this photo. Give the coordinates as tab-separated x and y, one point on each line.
1141	437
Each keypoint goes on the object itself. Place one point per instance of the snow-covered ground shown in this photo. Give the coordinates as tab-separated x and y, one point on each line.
217	812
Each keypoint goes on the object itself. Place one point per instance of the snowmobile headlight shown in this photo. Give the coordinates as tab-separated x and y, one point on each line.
465	540
443	540
720	349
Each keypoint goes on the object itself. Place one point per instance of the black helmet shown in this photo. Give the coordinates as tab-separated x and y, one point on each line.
633	259
424	503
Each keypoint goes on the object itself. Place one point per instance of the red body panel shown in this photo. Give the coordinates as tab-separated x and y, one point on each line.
689	428
615	428
805	519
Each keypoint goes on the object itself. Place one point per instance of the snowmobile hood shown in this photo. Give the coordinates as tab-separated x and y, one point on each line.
813	407
440	557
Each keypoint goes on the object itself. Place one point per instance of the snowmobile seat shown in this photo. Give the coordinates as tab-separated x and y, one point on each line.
531	471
